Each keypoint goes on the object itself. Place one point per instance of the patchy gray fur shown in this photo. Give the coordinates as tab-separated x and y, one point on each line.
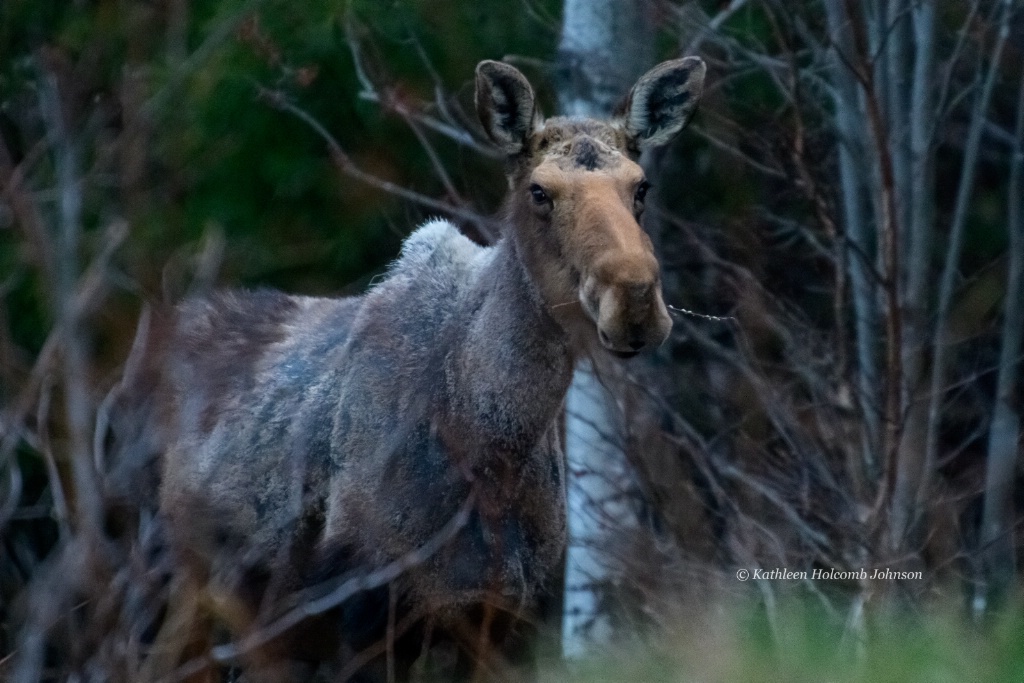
378	414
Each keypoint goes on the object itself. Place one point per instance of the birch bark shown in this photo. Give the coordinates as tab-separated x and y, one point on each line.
605	46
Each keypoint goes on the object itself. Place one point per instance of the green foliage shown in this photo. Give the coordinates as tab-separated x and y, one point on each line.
218	156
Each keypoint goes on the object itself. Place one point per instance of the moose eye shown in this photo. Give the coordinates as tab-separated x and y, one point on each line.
538	194
641	191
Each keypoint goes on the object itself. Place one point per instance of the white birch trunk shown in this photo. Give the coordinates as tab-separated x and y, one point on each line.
600	481
605	46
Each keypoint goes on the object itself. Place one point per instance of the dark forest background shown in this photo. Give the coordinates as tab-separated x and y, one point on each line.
848	200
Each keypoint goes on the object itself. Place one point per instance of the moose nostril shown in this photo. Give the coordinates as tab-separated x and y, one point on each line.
604	337
637	345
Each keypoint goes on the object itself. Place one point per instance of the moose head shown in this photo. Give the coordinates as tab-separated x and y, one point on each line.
577	196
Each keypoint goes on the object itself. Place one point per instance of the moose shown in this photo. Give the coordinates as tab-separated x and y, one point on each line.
318	438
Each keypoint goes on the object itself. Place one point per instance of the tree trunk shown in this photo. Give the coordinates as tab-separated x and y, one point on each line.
605	46
997	543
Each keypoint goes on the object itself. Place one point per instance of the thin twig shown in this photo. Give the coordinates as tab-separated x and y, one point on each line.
222	31
77	403
310	607
713	25
950	270
345	164
372	93
694	314
60	505
132	367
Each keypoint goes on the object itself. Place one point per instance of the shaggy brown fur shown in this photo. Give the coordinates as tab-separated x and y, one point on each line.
317	436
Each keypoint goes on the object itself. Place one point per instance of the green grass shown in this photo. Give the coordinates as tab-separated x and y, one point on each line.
805	646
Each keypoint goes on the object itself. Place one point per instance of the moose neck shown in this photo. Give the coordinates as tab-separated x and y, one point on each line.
515	362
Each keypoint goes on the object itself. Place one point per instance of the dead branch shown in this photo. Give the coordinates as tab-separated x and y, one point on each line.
965	189
345	164
310	606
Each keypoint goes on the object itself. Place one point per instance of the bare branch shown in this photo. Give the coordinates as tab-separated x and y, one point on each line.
132	367
1004	432
76	392
736	152
56	485
950	270
859	240
312	606
372	93
349	168
713	24
221	32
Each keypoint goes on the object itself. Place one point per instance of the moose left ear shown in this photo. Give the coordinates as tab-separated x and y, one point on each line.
505	105
662	101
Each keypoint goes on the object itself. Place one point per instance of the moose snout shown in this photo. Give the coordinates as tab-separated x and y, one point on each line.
630	315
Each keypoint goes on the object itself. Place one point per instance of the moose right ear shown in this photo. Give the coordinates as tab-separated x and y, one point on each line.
662	101
505	105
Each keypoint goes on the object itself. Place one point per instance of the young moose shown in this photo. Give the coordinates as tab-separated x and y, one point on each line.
315	437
